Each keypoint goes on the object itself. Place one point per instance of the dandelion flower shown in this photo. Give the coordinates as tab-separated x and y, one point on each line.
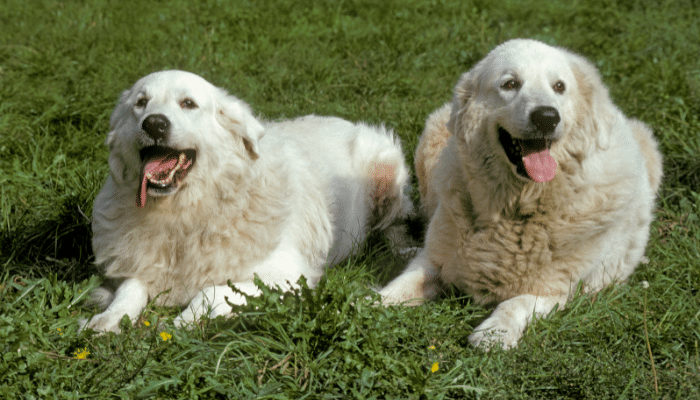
81	354
431	347
146	323
435	367
165	336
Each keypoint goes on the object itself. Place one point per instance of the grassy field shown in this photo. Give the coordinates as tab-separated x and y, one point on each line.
62	67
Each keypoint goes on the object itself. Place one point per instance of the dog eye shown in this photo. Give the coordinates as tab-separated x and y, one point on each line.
140	103
559	87
511	84
189	104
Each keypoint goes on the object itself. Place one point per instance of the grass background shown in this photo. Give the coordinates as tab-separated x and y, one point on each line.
63	65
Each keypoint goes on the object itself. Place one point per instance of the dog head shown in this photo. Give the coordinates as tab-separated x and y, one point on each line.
173	127
527	98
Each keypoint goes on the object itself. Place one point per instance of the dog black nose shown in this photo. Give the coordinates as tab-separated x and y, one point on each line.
156	126
545	118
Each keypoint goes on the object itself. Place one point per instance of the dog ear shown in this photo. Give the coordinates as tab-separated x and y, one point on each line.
463	92
122	108
597	112
120	116
235	116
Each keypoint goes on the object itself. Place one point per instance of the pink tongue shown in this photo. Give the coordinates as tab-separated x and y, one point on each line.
539	164
159	168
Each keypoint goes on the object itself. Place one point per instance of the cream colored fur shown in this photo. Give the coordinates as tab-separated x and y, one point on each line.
505	239
277	199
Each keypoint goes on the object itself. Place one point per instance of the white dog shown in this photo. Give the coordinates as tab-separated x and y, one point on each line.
533	182
200	192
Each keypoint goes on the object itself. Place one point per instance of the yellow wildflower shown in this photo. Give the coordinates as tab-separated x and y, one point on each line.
146	323
435	367
81	354
431	347
165	336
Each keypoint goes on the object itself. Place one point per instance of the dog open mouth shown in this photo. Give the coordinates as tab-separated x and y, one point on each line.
530	156
163	169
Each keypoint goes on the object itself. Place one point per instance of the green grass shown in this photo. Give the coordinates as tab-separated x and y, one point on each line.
62	67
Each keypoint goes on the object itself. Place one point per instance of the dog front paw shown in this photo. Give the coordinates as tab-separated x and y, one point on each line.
102	323
210	302
186	317
494	332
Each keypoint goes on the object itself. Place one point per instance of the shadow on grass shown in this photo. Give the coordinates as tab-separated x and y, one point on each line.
60	245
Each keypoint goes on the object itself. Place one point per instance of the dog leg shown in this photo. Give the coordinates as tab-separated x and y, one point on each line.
130	299
420	281
508	321
282	268
211	301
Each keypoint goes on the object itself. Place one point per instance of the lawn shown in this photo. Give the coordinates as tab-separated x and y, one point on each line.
63	66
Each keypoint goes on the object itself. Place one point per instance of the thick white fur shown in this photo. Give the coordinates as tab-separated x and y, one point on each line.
508	240
278	199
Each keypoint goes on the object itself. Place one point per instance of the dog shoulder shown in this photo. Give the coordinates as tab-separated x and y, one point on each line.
650	150
430	146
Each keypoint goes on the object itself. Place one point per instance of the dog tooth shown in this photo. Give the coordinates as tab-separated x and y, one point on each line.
180	161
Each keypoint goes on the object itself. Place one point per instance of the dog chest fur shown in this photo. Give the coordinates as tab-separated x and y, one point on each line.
531	233
170	245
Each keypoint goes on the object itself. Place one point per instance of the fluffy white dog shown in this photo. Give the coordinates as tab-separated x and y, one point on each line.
200	192
533	181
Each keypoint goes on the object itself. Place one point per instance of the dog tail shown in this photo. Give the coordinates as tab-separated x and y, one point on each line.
379	154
